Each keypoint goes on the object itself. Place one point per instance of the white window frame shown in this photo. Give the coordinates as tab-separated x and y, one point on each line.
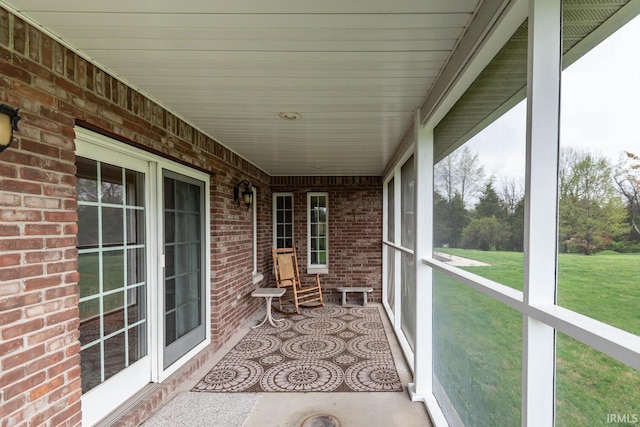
317	268
106	397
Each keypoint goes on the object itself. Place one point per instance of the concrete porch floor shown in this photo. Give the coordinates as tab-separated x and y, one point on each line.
380	409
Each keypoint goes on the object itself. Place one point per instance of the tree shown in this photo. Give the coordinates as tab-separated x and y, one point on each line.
512	195
591	212
627	178
460	172
484	233
489	204
511	191
458	177
471	175
516	221
446	180
458	220
489	229
441	229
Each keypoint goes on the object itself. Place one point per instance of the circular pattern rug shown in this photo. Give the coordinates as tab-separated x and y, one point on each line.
332	348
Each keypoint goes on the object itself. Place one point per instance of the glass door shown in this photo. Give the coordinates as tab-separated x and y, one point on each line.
112	263
184	251
143	245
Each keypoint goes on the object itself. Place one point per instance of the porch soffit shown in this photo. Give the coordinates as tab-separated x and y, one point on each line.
354	70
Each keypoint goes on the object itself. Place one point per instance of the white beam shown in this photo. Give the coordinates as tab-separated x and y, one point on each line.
541	208
423	352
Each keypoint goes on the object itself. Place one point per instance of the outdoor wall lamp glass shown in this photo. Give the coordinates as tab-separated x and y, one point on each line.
243	192
8	123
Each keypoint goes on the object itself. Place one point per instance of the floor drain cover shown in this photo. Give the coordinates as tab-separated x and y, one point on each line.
321	421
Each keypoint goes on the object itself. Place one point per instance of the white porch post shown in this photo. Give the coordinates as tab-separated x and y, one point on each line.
541	212
423	355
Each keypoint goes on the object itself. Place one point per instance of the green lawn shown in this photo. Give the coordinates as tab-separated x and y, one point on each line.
478	341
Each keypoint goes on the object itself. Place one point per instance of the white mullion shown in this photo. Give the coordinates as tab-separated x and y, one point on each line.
423	248
541	208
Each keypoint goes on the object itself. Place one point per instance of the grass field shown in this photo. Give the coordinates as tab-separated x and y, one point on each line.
478	341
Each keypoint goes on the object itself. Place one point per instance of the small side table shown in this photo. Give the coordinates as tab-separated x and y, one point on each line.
268	294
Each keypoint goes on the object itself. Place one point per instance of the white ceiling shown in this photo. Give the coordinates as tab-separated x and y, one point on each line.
355	70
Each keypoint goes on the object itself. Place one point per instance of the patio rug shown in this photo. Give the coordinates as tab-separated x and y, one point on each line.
332	348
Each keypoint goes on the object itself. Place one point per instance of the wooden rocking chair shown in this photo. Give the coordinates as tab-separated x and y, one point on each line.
285	270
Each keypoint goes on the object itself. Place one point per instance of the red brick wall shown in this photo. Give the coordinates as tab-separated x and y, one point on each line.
55	89
355	230
232	255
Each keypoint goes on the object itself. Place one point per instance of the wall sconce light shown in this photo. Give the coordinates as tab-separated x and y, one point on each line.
9	119
243	192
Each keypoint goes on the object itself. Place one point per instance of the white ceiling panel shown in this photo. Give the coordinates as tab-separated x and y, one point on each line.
354	70
61	20
250	6
81	32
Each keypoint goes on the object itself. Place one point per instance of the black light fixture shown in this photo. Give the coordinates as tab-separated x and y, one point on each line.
243	192
9	119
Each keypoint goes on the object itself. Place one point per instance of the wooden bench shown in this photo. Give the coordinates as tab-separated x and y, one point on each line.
364	291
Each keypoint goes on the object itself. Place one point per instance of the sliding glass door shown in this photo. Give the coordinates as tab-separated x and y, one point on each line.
143	263
184	284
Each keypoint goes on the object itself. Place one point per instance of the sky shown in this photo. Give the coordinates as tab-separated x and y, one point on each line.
600	108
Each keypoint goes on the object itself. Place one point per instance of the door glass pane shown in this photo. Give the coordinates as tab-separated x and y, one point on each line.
134	182
136	307
86	180
136	266
90	361
113	309
114	355
89	269
112	270
88	222
112	267
183	251
112	189
135	226
112	226
137	342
